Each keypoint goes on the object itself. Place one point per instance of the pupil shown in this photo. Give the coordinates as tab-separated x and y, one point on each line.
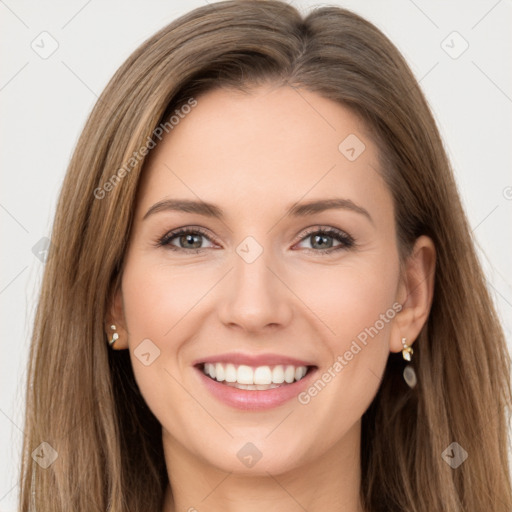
190	239
322	240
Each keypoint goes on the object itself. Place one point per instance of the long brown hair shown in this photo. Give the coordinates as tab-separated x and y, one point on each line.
82	398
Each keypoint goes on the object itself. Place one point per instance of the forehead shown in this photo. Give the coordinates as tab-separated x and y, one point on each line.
268	147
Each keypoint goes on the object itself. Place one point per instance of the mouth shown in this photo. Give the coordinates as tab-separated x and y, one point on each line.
259	378
254	388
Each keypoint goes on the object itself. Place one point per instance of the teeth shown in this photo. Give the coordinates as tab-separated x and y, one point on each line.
289	374
230	373
220	373
278	375
263	375
260	387
247	377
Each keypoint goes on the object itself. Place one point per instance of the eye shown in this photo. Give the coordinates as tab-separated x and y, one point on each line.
184	239
323	240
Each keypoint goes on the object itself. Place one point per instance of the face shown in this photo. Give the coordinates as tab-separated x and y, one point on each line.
259	285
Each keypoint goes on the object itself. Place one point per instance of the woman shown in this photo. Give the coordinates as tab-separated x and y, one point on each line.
262	289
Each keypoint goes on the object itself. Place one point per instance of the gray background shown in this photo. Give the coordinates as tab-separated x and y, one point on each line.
45	100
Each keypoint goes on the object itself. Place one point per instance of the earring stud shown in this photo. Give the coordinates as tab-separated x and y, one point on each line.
115	336
407	351
409	374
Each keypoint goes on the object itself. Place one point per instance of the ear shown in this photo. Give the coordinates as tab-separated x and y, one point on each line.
415	293
116	317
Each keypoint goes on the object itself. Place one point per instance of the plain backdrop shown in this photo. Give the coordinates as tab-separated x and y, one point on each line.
459	50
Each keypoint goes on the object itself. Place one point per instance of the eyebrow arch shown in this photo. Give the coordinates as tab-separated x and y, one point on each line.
296	210
312	207
187	206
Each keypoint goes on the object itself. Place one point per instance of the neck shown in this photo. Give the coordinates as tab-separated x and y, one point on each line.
331	482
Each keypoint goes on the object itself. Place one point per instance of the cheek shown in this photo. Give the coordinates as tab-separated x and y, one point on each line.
354	304
351	296
156	302
157	298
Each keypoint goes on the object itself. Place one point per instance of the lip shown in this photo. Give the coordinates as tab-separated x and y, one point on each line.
253	360
255	400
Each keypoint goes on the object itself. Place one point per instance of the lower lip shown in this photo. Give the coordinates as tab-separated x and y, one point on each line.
255	400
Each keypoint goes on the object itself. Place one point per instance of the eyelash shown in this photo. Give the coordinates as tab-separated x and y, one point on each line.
347	242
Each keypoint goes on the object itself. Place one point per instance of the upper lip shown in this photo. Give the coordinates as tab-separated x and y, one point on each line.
253	359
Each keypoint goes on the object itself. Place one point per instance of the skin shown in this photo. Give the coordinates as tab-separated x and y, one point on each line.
254	155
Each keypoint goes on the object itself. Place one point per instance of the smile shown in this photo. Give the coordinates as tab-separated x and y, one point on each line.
254	382
254	378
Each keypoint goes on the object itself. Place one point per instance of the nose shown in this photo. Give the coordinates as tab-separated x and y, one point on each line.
255	296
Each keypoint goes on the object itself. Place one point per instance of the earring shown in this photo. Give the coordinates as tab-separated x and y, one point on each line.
409	373
115	336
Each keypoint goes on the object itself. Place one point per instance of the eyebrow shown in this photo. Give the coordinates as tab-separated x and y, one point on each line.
296	210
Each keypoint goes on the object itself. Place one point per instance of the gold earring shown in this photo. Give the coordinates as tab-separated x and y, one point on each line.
115	336
408	373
